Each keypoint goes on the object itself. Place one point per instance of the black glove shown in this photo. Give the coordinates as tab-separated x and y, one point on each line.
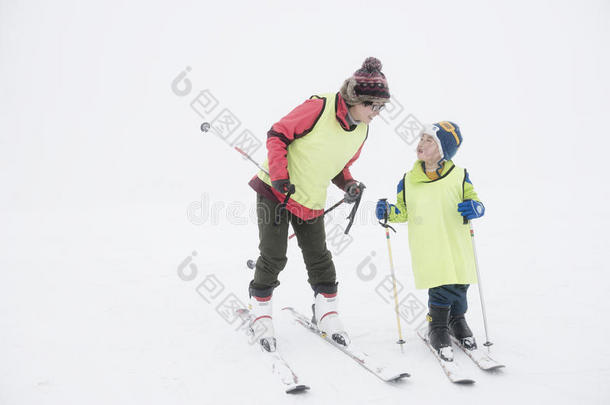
353	191
283	186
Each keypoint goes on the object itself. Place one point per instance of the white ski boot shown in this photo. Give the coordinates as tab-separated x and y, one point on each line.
326	316
261	325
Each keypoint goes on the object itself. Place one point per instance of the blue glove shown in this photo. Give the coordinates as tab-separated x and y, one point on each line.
471	209
382	209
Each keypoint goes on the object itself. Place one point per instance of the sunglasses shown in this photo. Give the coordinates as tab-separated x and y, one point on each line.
374	107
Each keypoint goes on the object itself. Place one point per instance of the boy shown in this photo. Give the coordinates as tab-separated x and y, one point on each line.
432	196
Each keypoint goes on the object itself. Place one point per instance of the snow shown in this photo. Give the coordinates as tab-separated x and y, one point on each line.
108	187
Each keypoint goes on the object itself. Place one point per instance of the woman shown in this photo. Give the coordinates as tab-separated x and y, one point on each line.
314	144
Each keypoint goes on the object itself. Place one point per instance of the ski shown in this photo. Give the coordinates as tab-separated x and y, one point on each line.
479	357
279	366
451	368
383	372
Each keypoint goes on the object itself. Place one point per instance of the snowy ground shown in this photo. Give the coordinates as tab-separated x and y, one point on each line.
108	188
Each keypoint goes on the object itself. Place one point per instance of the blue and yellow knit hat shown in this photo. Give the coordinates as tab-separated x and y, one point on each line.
447	136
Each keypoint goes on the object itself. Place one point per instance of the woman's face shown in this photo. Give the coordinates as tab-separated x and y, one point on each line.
365	113
427	149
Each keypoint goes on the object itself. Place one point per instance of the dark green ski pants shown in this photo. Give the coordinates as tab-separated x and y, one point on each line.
273	238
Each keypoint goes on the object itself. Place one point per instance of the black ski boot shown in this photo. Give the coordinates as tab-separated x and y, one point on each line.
460	330
438	332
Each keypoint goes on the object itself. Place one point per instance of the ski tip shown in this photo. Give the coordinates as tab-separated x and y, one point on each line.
495	367
288	309
399	377
295	389
463	381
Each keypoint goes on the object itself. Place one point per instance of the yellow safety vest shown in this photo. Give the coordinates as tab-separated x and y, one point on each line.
440	243
316	158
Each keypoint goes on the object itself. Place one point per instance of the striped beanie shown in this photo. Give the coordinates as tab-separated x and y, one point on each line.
366	84
447	136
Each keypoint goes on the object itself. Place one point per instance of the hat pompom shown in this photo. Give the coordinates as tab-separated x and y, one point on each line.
372	64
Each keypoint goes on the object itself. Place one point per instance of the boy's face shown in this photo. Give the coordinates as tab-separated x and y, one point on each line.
427	149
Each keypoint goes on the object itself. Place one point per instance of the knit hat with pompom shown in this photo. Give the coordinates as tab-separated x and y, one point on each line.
367	84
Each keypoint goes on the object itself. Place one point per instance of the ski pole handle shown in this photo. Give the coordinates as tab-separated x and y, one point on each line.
282	206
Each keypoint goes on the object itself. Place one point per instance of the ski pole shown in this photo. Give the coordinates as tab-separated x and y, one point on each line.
205	127
352	214
251	160
476	262
387	227
325	212
282	206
